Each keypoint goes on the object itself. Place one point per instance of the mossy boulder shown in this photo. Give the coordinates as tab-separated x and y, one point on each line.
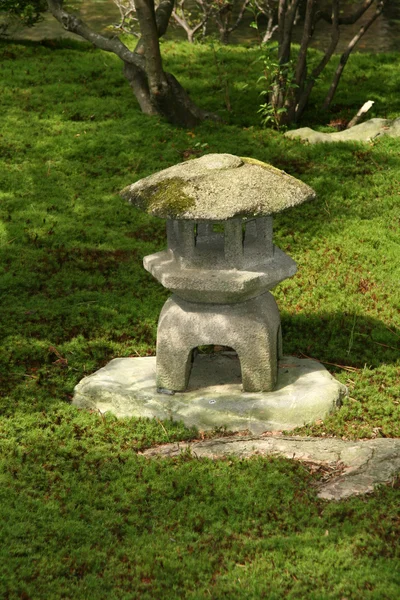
217	187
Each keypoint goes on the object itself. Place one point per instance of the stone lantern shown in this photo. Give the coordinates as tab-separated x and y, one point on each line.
220	263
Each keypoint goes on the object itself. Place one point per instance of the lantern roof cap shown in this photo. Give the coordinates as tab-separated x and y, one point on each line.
217	187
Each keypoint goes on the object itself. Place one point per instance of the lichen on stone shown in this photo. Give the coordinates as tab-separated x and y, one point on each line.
166	197
217	187
260	163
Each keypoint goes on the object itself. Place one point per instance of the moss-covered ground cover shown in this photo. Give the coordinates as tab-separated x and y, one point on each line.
83	515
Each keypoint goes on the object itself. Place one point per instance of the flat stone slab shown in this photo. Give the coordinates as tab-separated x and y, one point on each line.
306	391
364	132
354	467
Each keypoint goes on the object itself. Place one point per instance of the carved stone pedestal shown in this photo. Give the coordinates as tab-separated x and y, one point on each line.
251	328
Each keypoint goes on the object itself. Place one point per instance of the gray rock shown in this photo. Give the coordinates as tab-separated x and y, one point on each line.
126	387
356	467
217	187
364	132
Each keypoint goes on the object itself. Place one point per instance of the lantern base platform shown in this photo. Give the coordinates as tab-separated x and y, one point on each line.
306	392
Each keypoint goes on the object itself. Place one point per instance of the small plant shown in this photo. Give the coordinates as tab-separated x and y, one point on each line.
263	11
20	13
283	20
278	80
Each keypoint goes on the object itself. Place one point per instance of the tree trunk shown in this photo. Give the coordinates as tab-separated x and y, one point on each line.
289	96
171	102
138	82
157	92
282	96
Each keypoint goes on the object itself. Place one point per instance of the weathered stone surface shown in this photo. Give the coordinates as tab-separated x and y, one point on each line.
220	254
217	187
364	132
126	387
222	286
361	465
232	244
252	329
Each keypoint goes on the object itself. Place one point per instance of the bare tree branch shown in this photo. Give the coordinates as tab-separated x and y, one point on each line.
301	66
270	30
127	14
75	25
222	14
186	23
323	62
345	56
351	19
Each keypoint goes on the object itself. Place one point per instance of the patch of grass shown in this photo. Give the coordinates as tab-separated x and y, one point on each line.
72	137
83	514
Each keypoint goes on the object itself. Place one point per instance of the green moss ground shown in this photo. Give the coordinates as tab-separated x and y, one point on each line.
83	515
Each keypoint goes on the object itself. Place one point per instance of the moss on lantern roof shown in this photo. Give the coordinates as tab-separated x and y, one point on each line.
217	187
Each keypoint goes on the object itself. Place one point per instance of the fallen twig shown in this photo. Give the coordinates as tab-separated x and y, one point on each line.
165	431
386	345
325	362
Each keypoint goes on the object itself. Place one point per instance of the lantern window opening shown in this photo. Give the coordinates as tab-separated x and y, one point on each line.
218	227
222	376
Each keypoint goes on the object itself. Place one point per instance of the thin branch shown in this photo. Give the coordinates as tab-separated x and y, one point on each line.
126	14
269	32
323	62
345	56
350	20
301	67
222	18
240	16
325	362
75	25
334	41
181	20
184	23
